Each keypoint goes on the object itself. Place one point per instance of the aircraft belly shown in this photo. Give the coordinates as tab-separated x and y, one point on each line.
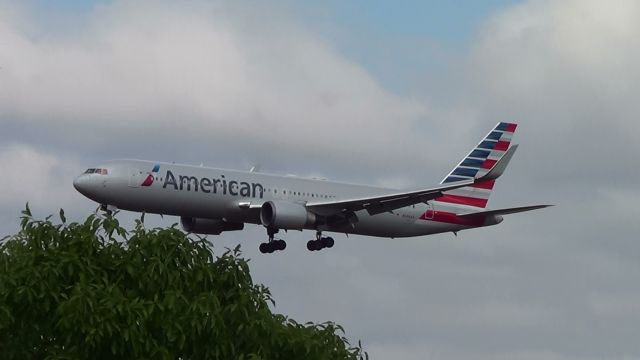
178	203
397	224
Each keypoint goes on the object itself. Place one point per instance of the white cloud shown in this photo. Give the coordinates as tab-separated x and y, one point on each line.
567	71
540	43
199	68
42	179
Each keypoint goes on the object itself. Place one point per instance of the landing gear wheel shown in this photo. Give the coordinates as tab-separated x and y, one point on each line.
327	242
272	245
311	245
320	242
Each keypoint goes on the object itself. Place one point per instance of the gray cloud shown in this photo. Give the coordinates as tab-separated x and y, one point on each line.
566	70
203	71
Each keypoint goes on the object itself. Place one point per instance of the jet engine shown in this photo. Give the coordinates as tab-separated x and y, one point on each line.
208	226
285	215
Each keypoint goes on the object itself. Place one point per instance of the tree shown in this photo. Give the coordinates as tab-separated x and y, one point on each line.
95	290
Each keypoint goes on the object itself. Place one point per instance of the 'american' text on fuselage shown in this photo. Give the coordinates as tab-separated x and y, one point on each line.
212	185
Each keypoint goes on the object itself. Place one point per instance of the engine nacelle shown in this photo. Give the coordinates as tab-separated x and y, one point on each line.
285	215
208	226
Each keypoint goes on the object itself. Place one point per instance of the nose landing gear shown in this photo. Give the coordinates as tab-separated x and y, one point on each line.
320	242
273	244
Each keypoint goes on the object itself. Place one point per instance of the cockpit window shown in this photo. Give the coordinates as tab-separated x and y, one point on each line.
97	171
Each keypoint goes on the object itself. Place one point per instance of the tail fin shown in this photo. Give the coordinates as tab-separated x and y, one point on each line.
478	163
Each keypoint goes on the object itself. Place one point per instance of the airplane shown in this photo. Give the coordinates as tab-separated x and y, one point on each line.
211	201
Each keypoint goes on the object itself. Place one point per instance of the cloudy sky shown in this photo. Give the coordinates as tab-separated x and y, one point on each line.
374	92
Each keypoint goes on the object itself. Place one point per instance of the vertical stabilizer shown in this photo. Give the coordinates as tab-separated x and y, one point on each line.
477	163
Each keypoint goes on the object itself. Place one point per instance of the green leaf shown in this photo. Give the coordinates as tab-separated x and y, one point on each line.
27	210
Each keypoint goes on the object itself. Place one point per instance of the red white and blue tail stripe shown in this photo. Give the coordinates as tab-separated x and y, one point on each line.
477	163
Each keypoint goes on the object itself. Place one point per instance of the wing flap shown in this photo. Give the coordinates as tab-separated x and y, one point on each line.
390	205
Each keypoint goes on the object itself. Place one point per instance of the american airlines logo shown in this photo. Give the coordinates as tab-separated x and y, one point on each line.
221	185
150	176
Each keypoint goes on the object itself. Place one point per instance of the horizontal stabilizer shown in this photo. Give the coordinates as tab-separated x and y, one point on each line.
504	211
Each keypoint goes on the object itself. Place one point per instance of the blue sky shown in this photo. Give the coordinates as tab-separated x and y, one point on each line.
393	39
449	22
76	5
378	35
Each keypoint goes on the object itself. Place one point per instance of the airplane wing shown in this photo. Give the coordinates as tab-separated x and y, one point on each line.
503	211
388	202
383	203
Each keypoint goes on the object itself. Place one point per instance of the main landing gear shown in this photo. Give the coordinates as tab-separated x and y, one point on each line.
320	242
272	245
276	244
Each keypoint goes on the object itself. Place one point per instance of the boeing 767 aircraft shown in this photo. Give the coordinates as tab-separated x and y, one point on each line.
210	200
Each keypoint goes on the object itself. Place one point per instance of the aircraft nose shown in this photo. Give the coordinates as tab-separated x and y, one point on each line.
93	183
80	183
87	185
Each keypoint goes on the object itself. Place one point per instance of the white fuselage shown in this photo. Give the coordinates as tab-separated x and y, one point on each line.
236	196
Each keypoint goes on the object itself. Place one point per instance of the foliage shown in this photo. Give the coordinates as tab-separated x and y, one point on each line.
95	290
